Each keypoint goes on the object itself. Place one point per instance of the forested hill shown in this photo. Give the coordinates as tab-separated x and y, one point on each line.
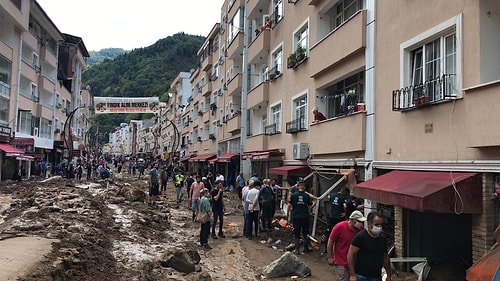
145	71
104	54
141	72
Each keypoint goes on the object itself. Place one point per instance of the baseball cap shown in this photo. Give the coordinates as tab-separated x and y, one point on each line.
301	179
357	215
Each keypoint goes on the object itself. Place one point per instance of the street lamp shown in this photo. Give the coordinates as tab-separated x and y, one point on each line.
68	136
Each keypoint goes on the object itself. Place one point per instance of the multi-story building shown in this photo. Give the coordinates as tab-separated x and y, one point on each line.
40	69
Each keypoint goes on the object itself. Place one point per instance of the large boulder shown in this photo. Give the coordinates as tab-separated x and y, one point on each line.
287	265
181	260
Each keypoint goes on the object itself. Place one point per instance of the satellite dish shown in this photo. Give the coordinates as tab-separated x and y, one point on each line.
170	95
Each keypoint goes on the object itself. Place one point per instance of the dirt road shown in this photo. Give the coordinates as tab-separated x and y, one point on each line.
105	231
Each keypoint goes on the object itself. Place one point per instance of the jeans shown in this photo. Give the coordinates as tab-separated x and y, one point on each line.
218	216
365	278
178	194
251	222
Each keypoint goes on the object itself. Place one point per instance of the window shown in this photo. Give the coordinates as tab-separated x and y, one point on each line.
275	119
4	110
235	25
433	68
5	72
34	93
276	63
299	115
277	15
343	96
430	65
24	122
301	37
45	126
337	15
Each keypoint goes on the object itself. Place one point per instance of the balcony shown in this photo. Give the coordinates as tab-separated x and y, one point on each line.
206	89
256	8
234	85
259	47
431	92
272	129
335	129
346	40
47	56
296	125
235	48
46	84
206	116
233	7
28	71
207	63
258	95
256	142
30	40
481	114
234	124
5	50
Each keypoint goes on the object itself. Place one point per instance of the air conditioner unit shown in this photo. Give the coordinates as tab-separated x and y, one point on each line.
35	131
300	151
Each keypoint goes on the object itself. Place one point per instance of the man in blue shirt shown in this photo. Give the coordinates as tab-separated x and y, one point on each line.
153	183
240	181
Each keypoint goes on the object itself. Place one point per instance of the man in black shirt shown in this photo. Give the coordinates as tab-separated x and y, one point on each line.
368	252
217	208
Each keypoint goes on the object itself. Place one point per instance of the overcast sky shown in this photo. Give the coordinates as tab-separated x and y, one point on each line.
130	24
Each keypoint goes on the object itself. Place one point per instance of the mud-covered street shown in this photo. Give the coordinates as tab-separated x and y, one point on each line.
105	230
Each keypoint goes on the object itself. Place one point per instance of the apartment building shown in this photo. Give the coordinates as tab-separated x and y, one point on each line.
40	77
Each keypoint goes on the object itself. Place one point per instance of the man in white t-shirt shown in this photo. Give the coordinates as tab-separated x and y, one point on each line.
219	177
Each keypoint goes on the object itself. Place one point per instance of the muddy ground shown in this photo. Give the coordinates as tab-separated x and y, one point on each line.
107	231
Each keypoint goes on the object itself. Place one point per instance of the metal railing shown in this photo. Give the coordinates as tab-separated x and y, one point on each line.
296	125
272	129
433	91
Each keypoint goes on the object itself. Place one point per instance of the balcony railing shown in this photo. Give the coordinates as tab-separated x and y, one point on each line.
296	125
431	92
272	129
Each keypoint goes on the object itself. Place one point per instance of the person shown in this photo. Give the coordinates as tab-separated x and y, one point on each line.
219	177
318	116
154	184
240	182
188	182
266	199
278	192
141	166
79	171
179	184
252	217
244	203
301	203
205	208
217	195
208	184
338	208
194	194
368	252
89	170
339	242
164	179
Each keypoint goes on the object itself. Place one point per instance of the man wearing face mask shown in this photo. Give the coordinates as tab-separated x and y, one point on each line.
368	252
339	241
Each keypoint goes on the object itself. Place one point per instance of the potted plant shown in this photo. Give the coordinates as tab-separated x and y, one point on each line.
300	53
213	106
292	59
351	99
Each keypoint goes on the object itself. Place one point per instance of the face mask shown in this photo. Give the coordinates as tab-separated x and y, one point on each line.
376	230
358	225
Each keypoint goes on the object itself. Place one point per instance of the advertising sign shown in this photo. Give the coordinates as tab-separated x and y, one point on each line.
125	105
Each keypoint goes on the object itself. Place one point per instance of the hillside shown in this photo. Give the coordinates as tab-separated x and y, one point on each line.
104	54
142	72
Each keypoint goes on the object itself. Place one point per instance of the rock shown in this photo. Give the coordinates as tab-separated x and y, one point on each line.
287	265
133	194
180	260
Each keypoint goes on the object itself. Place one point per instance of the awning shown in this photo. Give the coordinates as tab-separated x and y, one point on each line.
227	157
486	268
300	171
433	192
202	158
262	154
25	157
187	157
10	150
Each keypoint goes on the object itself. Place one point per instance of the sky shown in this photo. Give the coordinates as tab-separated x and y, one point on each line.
130	24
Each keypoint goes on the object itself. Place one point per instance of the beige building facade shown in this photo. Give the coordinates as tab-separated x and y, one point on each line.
40	85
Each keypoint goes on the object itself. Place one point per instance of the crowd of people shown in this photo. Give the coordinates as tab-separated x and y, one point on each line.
354	243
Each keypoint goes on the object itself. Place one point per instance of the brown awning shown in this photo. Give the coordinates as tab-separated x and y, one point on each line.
187	157
227	157
300	171
433	192
10	150
202	158
262	154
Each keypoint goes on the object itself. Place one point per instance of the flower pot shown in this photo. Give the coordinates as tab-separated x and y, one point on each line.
361	107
